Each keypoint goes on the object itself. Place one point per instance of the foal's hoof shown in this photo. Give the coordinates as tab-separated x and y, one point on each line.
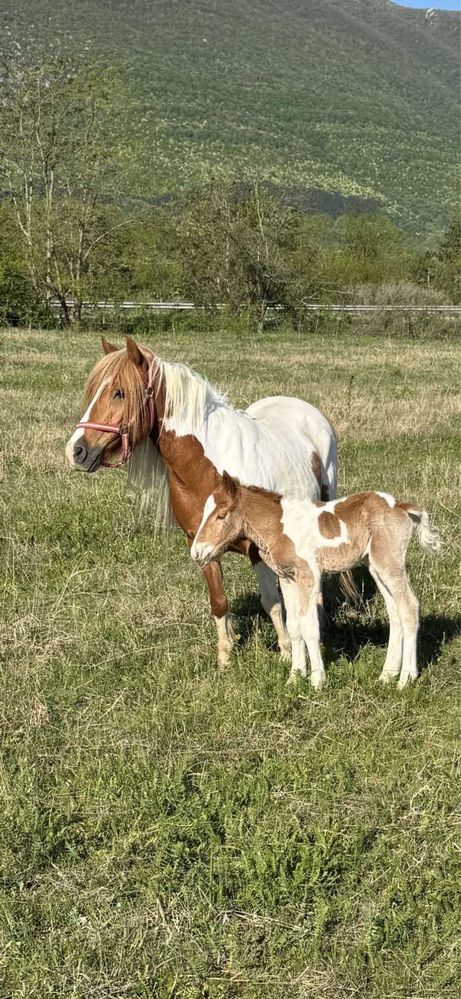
285	652
406	680
295	677
318	681
387	677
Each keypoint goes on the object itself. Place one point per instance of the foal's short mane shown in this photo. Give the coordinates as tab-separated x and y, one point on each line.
268	493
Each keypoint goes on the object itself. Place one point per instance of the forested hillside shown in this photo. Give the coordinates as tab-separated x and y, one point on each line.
357	97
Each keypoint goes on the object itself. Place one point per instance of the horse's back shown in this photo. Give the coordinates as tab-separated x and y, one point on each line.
296	414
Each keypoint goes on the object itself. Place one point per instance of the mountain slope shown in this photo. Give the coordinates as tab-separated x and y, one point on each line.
357	96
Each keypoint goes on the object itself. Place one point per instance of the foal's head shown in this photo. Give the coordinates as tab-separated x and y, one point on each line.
222	521
115	396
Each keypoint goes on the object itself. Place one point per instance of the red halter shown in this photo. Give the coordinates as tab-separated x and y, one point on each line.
122	429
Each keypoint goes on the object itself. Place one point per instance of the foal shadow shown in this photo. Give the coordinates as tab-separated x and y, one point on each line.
248	613
347	638
345	629
436	629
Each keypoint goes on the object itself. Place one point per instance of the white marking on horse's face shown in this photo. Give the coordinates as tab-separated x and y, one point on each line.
390	500
77	434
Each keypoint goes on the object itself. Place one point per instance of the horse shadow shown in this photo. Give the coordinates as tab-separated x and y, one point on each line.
348	626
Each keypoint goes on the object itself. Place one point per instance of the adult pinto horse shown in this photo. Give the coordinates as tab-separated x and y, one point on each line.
178	433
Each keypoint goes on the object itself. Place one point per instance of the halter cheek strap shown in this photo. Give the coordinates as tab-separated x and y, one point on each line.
122	430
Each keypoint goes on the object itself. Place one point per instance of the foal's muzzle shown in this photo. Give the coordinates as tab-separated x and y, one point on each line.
202	554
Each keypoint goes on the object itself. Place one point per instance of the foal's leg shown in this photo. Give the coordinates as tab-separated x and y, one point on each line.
220	607
409	615
394	578
270	599
311	630
393	661
292	606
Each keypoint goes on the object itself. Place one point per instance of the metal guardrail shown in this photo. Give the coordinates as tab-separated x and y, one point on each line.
308	307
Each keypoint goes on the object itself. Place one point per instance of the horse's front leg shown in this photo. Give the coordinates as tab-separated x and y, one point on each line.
271	601
220	608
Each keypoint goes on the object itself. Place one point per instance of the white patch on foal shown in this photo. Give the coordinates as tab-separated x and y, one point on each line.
77	434
390	500
300	524
200	549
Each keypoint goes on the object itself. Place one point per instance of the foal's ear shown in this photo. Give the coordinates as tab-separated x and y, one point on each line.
230	484
107	347
135	354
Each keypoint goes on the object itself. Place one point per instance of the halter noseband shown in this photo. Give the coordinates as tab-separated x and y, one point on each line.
122	429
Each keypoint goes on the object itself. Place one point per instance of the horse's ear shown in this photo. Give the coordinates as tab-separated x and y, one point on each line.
230	484
107	347
135	354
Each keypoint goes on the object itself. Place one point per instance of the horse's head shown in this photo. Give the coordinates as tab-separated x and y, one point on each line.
222	521
119	411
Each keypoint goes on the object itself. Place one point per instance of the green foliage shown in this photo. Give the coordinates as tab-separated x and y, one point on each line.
442	267
357	97
171	832
57	161
235	245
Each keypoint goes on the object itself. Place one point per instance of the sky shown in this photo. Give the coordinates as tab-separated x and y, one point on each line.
441	4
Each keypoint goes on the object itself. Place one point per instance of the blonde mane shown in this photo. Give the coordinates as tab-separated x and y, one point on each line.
189	399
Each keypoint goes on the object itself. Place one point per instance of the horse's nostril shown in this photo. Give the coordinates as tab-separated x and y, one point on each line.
80	453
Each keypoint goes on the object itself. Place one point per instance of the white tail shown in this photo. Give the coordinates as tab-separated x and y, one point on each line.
428	537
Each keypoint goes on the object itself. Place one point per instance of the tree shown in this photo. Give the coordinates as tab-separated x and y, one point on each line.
58	154
370	249
234	242
441	268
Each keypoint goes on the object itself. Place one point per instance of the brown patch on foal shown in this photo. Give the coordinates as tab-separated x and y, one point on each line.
329	525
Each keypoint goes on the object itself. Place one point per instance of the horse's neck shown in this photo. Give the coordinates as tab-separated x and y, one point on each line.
181	450
186	461
263	518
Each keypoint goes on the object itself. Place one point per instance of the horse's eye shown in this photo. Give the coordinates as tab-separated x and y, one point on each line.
222	516
119	394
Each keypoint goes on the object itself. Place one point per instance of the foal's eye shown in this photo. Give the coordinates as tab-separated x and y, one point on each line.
119	394
222	516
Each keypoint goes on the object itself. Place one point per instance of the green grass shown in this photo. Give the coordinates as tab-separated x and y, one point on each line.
357	97
169	831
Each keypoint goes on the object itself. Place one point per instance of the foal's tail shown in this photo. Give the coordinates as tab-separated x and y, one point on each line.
349	588
428	536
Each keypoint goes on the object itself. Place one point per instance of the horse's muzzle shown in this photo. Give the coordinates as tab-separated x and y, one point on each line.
83	458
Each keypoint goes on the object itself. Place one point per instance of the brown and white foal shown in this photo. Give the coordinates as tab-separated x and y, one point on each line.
301	539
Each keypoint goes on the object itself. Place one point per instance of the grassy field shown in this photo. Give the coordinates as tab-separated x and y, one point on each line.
168	831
